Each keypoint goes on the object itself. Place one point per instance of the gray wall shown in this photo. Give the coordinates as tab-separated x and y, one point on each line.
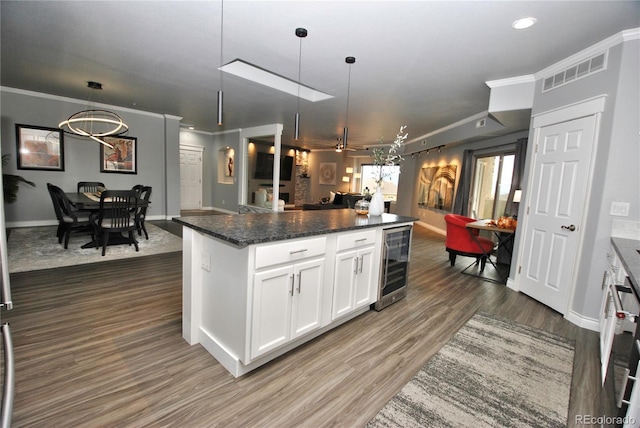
156	139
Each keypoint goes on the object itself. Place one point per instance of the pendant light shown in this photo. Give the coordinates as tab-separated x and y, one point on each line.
301	33
94	123
345	133
220	95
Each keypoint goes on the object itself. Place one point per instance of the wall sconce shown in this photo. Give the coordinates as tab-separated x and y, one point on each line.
349	170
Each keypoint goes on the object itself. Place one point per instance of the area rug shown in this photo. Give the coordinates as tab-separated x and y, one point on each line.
35	248
492	373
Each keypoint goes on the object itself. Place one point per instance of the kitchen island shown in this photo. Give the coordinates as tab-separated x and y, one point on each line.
257	285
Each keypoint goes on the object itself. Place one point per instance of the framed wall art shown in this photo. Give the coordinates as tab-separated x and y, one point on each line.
122	158
436	187
327	173
40	148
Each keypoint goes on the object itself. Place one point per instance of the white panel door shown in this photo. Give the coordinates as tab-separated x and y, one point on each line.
190	179
556	208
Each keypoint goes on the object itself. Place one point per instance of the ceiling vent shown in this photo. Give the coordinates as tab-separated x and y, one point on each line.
576	72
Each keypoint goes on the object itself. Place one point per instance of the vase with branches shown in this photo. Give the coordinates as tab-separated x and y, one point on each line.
384	159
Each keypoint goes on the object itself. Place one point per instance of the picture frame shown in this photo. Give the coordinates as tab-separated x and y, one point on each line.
327	174
122	158
39	148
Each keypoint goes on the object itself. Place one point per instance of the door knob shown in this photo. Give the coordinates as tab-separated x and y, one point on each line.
570	228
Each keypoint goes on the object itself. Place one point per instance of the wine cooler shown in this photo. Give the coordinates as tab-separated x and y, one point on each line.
395	266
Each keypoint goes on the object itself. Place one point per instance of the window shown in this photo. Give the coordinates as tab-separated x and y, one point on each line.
491	185
389	183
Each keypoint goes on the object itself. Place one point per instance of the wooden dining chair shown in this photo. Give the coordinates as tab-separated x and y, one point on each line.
90	186
69	220
141	212
116	216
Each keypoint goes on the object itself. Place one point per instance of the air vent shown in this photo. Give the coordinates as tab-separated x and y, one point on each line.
576	72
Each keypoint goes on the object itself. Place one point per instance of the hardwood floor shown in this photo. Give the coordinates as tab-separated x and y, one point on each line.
100	345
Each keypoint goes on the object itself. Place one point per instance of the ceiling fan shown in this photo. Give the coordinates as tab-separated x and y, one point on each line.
338	147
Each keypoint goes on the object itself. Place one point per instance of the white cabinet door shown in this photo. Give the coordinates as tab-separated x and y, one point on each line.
287	303
272	303
352	286
344	284
307	301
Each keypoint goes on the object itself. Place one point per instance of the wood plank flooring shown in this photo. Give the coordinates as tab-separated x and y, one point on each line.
101	345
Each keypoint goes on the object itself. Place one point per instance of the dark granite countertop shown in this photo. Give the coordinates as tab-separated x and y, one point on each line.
627	250
255	228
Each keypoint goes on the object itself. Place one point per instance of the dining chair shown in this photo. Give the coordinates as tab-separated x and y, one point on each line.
137	188
69	220
90	186
141	212
459	242
116	215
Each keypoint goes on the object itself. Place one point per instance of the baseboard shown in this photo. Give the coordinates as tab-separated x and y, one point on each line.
582	321
431	228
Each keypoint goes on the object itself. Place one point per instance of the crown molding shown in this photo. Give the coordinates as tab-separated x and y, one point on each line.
518	80
79	102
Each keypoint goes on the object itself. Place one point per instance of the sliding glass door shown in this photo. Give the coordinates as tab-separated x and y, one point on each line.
491	185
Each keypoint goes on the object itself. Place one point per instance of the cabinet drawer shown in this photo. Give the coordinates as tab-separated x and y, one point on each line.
356	239
289	251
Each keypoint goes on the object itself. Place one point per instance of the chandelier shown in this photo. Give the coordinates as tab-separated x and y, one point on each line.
94	123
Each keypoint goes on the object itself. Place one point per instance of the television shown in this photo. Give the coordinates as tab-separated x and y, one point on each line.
264	167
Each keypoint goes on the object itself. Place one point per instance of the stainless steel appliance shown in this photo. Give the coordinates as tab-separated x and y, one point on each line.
395	266
5	304
620	348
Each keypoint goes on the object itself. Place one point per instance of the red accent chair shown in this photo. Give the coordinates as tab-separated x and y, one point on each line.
460	243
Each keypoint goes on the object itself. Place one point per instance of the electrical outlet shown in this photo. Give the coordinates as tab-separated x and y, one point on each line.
620	209
205	261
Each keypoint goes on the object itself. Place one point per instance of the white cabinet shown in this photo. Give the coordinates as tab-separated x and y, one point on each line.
287	300
355	275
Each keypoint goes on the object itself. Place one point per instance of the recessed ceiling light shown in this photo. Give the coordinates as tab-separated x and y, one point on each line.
521	24
265	77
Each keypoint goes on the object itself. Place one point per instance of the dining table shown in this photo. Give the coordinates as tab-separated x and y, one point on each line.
88	201
504	236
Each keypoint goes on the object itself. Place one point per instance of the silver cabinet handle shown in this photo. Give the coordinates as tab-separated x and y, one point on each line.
293	279
361	240
356	269
9	377
299	281
297	251
361	263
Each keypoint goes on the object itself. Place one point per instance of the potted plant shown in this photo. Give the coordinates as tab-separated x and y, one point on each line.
10	183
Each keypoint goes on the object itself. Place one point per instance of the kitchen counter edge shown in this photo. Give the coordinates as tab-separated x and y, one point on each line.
242	230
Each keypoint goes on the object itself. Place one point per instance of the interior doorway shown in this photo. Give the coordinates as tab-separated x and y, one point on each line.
190	177
556	203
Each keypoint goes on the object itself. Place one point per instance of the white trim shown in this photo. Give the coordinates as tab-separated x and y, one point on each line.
80	102
592	324
572	111
510	81
481	115
589	52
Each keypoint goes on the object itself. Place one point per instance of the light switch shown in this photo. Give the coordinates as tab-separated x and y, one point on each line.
620	209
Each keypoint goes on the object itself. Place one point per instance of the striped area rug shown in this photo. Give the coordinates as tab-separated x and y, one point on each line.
492	373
